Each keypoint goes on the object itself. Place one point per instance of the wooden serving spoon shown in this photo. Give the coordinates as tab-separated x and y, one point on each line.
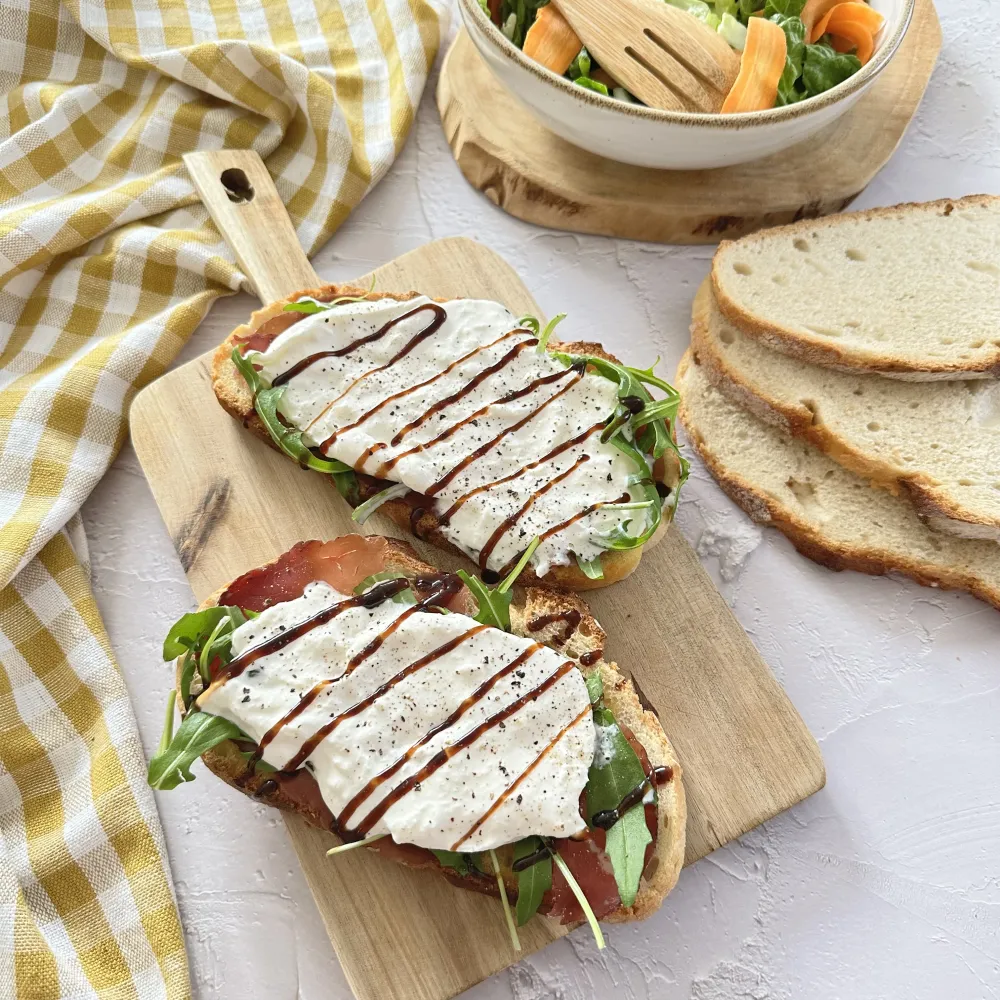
663	55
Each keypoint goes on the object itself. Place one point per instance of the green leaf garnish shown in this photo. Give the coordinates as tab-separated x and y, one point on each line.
595	85
352	844
581	899
615	772
533	882
494	607
592	569
190	630
201	637
260	766
580	66
494	602
530	323
288	439
365	510
543	338
187	676
311	306
626	846
595	687
506	903
198	733
454	860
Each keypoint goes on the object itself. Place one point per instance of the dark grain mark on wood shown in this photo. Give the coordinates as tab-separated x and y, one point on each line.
641	695
720	224
193	535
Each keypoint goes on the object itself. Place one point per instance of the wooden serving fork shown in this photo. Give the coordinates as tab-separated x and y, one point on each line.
665	56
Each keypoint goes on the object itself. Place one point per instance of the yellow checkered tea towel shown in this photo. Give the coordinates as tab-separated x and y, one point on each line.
107	263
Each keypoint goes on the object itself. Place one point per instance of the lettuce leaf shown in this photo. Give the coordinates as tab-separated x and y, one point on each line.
824	68
787	8
795	39
595	85
533	882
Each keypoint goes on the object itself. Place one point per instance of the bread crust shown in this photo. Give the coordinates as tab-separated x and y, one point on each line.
233	393
765	509
927	498
818	350
227	763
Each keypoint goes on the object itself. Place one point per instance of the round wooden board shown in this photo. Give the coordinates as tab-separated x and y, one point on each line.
534	175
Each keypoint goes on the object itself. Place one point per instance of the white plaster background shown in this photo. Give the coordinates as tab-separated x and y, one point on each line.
884	885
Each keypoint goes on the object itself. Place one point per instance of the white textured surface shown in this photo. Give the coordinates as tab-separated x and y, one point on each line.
884	885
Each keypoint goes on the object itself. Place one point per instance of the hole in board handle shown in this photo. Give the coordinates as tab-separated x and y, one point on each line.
238	188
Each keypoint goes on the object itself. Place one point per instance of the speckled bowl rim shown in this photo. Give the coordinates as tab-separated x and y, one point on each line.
742	120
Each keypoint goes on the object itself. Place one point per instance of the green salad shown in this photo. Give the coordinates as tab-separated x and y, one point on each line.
824	43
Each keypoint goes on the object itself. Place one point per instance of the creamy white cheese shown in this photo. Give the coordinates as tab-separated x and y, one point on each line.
336	395
534	763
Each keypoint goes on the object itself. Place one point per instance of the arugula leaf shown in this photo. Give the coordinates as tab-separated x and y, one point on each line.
494	606
543	337
208	631
494	603
506	903
308	306
747	8
592	570
365	510
824	68
347	485
311	306
187	676
190	630
260	766
595	687
616	770
453	859
626	846
198	733
588	911
288	439
533	882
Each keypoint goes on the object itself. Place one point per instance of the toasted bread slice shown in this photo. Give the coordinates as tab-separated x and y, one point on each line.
911	292
829	514
234	395
661	873
938	444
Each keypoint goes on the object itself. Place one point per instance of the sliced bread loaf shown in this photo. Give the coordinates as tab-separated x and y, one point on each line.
939	443
912	291
828	513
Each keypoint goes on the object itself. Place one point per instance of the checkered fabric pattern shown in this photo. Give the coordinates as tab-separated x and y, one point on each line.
107	264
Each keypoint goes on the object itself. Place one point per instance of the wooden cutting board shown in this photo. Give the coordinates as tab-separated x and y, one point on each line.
529	172
232	503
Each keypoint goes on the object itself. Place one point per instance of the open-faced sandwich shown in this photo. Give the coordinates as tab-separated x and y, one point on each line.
465	425
475	730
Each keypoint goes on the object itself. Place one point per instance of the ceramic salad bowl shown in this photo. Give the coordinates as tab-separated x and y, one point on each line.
647	137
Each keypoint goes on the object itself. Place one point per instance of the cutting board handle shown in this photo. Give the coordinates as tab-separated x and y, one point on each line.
243	202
